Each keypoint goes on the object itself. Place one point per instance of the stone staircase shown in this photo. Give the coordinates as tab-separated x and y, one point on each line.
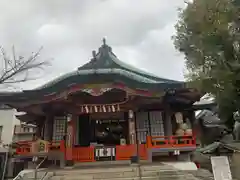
132	172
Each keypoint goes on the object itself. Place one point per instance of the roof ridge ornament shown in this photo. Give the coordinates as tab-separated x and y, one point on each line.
104	49
104	41
94	54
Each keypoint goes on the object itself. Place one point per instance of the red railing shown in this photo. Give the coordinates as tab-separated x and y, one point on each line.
83	154
125	152
170	141
25	147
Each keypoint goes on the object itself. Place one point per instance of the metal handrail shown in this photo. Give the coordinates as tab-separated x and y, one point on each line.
37	167
44	175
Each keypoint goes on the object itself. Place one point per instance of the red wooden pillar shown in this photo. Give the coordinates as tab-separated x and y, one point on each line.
62	146
71	131
149	142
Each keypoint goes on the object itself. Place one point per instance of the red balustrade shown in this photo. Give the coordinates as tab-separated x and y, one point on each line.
125	152
25	147
83	154
170	141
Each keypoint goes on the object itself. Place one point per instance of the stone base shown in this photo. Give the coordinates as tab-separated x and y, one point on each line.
183	156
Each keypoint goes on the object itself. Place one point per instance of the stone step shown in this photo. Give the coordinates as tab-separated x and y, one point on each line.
156	168
118	175
124	175
182	177
87	178
112	174
108	163
154	172
94	171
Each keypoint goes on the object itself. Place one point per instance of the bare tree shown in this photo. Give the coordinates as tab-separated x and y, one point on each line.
16	69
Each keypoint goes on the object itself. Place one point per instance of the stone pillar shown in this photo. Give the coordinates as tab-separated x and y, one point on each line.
132	127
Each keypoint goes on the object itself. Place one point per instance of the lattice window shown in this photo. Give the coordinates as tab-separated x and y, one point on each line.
59	128
156	121
142	126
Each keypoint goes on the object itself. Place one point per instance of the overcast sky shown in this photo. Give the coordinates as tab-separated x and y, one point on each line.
139	32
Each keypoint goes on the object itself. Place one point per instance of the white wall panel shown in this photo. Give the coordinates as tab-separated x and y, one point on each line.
7	122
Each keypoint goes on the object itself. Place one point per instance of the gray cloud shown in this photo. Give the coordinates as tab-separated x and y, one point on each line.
139	32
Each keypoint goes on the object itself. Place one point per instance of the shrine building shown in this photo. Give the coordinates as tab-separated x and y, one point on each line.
108	110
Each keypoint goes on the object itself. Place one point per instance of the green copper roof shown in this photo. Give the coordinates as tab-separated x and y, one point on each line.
103	68
106	62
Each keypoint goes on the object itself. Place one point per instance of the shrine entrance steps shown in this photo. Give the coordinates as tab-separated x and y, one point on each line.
105	164
123	172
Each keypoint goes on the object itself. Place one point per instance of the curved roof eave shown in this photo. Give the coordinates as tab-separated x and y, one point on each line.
121	72
138	70
106	62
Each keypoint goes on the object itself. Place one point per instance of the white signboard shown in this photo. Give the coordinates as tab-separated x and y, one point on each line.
221	168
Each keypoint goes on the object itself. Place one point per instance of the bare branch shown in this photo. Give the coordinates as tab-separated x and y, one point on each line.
17	68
